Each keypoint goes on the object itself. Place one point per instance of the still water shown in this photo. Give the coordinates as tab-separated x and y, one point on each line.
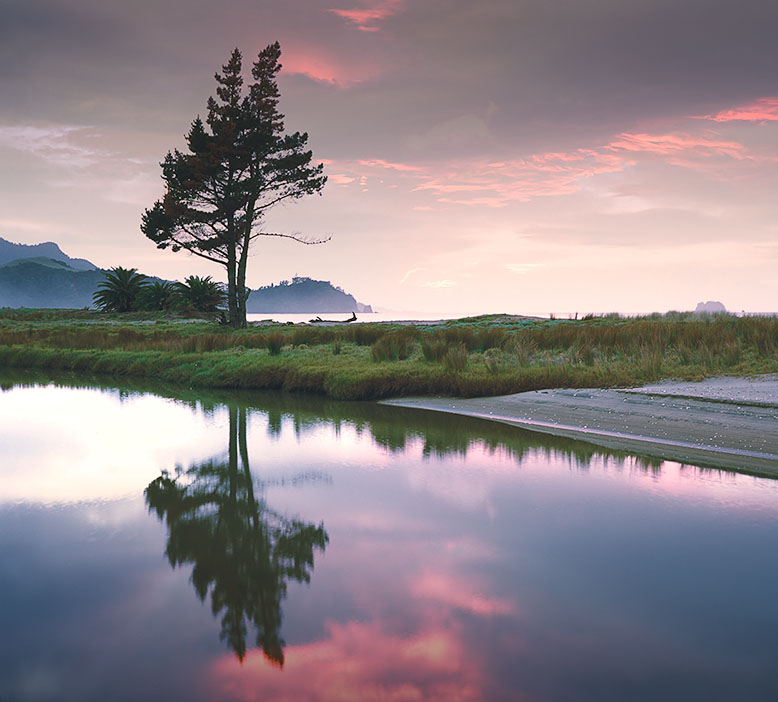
159	545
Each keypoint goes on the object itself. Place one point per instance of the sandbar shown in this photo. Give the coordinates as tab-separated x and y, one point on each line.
726	422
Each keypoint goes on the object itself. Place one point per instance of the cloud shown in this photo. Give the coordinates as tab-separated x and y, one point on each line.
522	268
677	142
54	144
381	163
366	18
439	284
340	178
465	130
324	66
762	110
495	183
409	273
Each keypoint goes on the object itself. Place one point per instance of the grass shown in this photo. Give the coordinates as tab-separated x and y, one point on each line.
478	356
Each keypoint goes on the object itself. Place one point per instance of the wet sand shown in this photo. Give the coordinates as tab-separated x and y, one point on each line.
727	423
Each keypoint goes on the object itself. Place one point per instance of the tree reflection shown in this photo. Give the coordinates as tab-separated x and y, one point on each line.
241	551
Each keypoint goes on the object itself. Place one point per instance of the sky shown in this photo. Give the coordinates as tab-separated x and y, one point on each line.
518	156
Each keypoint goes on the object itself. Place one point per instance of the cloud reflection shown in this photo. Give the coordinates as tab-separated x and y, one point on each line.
361	661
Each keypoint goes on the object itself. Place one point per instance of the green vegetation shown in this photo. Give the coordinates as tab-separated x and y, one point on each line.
200	294
119	290
478	356
125	290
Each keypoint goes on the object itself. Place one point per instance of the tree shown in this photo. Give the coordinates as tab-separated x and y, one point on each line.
119	290
201	294
237	166
159	295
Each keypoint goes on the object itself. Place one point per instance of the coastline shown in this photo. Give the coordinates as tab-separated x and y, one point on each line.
725	423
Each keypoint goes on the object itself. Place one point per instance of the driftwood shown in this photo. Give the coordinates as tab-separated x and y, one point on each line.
353	318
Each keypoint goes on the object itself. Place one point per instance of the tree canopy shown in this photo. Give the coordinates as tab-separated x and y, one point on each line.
238	164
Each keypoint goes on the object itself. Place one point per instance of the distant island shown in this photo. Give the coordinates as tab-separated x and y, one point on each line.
303	295
43	276
710	307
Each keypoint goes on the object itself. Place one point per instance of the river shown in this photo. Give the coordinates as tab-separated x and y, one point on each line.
162	544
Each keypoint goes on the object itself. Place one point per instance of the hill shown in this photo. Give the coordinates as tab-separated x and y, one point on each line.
303	295
42	275
10	252
45	282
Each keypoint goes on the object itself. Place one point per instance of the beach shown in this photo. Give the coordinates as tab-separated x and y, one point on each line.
724	422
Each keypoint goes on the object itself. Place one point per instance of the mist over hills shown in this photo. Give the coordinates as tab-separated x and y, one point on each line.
46	282
10	251
43	276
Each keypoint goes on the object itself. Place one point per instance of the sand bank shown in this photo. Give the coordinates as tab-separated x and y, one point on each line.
727	423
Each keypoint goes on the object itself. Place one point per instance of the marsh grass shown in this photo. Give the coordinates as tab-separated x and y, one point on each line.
395	346
274	342
478	356
456	358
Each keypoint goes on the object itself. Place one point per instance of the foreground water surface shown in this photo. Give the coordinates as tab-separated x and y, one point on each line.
169	546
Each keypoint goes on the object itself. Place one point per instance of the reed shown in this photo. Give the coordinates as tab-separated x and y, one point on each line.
479	356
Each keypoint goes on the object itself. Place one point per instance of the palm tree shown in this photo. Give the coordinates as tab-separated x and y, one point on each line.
158	295
119	290
201	294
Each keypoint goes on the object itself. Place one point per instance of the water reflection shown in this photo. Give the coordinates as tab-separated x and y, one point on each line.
242	552
464	560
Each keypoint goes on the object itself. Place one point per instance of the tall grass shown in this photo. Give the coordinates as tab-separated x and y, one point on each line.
374	360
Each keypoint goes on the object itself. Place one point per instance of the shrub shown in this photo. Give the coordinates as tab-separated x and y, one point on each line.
158	295
311	336
363	334
201	294
274	342
391	347
492	361
433	349
456	358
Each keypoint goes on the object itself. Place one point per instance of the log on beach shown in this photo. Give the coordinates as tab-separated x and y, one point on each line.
319	320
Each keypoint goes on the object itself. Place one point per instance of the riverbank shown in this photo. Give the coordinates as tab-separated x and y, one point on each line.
720	422
488	355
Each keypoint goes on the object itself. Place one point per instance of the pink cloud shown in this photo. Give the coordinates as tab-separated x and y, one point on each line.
380	163
761	110
340	178
496	184
359	661
490	183
316	65
674	143
364	18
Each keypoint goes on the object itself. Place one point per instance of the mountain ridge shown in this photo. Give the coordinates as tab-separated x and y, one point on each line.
10	251
32	279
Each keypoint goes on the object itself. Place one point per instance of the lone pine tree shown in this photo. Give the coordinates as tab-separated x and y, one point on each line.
237	165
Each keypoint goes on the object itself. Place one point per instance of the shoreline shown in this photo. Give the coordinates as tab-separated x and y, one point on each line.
724	423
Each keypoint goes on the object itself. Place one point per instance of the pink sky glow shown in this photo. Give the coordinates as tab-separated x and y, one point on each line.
482	156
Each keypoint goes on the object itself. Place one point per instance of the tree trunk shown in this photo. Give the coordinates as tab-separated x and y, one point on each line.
232	298
241	277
